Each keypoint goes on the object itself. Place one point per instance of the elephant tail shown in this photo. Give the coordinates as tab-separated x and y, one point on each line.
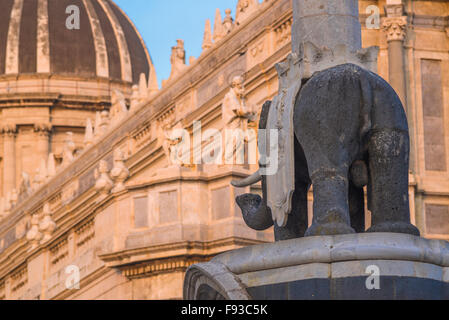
255	212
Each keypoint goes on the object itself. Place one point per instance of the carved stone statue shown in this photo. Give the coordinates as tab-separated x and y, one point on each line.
104	183
235	112
69	149
235	115
119	172
244	9
177	60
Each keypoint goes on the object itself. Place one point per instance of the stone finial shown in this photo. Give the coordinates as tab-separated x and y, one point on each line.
228	22
103	184
51	166
89	134
219	31
177	60
134	98
33	235
153	86
68	151
47	226
119	172
395	28
143	87
207	38
245	8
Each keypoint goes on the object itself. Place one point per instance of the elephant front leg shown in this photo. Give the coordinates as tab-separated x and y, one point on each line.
388	190
330	204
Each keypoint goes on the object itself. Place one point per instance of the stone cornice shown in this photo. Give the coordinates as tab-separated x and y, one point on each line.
168	257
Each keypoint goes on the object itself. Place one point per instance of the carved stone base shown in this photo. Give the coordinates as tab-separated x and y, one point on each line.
347	267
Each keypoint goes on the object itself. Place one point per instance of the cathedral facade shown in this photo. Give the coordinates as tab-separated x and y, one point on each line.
96	202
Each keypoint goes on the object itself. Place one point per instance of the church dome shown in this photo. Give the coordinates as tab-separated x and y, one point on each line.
35	39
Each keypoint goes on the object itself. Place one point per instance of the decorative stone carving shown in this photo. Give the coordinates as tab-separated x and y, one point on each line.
69	150
134	98
103	184
170	137
25	186
119	172
235	112
245	8
104	122
395	28
51	166
47	226
7	207
119	110
33	235
43	129
177	60
153	86
9	129
143	87
89	134
14	197
219	31
207	38
228	22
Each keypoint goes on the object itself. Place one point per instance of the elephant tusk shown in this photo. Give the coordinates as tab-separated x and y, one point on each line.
252	179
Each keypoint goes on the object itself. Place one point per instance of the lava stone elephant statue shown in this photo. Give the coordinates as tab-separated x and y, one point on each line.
351	131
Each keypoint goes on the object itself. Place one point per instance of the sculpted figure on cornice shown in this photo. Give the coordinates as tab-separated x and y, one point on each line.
235	112
177	60
244	9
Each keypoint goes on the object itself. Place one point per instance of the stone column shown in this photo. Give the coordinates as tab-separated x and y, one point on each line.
394	26
326	23
42	131
9	132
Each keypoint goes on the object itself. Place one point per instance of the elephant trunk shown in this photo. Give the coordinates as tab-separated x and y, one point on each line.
255	212
252	179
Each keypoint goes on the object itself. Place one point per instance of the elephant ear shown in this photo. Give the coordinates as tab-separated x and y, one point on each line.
264	115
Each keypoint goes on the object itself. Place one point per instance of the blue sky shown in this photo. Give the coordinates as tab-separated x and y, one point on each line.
161	22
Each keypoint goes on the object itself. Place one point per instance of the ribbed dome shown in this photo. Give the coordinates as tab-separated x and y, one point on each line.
34	39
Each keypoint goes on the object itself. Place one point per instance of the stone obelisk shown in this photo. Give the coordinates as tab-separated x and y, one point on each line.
326	23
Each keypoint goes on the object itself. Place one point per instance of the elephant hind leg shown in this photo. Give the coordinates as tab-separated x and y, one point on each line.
388	191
